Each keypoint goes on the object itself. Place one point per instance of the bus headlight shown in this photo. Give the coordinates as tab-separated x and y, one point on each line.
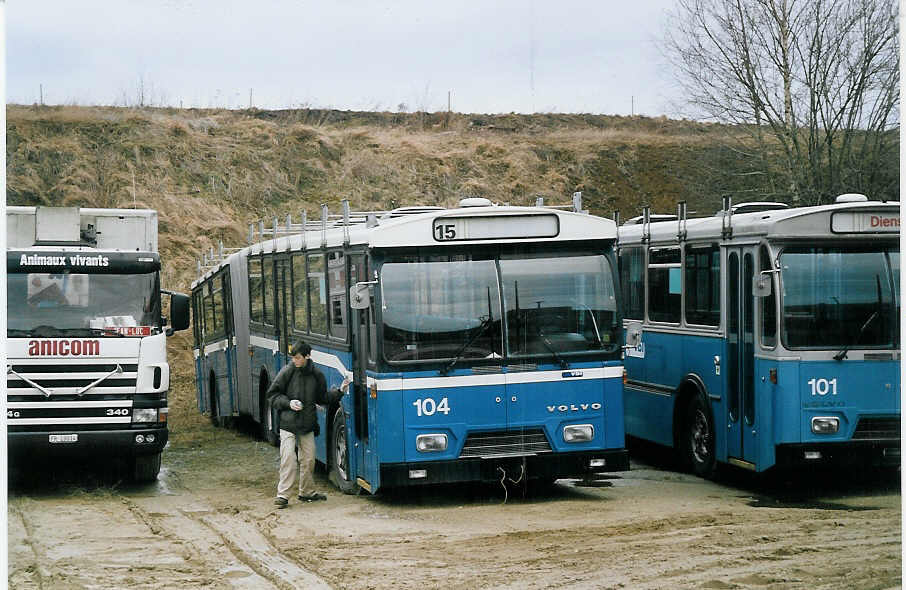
578	433
825	424
431	443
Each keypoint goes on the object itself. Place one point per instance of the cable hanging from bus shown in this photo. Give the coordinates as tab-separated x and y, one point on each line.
765	335
483	341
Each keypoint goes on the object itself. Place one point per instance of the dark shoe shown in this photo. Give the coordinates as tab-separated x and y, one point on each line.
281	502
313	498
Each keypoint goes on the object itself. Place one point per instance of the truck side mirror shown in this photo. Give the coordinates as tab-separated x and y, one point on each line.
179	312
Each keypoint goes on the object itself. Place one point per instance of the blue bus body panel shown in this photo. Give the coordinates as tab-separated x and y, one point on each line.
670	358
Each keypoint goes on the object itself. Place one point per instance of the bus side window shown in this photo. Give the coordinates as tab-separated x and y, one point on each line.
632	282
256	304
208	303
703	285
267	268
768	305
336	276
665	289
300	294
317	294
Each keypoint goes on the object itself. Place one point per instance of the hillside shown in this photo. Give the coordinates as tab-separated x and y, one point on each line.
210	172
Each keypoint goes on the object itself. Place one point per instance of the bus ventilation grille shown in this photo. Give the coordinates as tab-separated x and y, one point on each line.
877	429
506	444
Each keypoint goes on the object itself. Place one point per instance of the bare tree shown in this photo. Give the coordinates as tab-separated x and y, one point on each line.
810	87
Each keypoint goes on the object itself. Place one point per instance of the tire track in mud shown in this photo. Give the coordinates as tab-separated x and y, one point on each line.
232	546
37	561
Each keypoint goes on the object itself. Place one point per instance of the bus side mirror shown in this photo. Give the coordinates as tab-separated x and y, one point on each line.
179	312
360	295
761	284
633	336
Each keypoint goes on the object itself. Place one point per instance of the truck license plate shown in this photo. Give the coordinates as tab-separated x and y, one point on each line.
64	438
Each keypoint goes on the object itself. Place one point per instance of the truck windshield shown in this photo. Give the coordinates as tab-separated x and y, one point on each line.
49	305
837	298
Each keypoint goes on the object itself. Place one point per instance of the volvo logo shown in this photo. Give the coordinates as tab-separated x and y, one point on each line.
574	407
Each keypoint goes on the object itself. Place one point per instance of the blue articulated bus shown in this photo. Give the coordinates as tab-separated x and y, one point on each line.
765	335
483	341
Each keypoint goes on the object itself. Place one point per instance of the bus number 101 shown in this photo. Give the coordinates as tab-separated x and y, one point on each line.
823	386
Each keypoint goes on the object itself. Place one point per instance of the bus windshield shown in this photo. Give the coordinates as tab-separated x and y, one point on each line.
838	298
66	304
450	308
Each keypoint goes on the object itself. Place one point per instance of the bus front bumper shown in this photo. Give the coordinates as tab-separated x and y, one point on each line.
884	453
543	466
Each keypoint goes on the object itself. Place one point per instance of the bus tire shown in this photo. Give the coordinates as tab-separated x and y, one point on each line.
214	405
698	438
145	468
338	456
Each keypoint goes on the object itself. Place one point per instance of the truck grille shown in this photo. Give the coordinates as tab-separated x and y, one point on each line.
506	444
877	429
107	404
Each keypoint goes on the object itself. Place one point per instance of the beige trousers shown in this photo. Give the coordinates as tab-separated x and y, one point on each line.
291	464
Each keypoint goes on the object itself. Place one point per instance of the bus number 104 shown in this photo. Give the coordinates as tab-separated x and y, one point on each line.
823	386
428	407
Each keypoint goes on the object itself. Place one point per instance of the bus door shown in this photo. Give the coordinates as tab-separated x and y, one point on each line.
283	308
362	461
740	362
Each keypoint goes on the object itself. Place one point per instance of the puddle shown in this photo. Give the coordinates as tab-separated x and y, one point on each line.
768	502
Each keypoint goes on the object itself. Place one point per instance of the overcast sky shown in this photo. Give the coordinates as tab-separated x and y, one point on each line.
596	56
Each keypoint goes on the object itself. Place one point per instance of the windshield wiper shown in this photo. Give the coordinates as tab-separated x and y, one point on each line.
550	347
842	354
485	322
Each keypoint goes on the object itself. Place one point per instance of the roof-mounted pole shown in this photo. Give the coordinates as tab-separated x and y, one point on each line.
260	231
577	202
539	201
726	222
345	222
198	266
646	224
289	223
324	214
681	221
221	249
304	228
276	227
616	222
251	233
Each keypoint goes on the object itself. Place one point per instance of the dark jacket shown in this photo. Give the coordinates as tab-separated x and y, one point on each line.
307	385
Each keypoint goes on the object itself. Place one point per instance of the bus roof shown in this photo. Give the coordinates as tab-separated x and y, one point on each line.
841	220
442	228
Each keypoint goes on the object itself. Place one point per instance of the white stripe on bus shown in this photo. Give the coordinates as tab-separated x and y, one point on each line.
70	404
215	346
264	343
519	378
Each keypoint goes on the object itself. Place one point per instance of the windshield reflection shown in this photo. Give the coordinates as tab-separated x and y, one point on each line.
48	305
838	298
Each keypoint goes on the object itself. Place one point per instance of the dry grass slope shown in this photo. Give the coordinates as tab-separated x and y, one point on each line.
210	172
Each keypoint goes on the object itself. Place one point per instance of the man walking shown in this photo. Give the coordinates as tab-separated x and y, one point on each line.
296	390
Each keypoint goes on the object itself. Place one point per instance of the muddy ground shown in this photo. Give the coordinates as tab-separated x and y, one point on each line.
209	522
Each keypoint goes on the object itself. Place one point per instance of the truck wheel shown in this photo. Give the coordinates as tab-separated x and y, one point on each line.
338	456
698	444
145	468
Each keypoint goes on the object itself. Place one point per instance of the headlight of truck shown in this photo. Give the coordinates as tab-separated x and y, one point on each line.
825	424
431	443
148	415
578	433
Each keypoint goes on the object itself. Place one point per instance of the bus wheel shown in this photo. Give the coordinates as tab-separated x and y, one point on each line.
145	467
338	456
699	438
214	405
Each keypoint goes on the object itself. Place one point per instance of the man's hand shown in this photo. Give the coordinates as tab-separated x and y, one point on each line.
295	405
345	384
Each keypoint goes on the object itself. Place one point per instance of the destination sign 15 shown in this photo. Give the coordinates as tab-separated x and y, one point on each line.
867	222
448	229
